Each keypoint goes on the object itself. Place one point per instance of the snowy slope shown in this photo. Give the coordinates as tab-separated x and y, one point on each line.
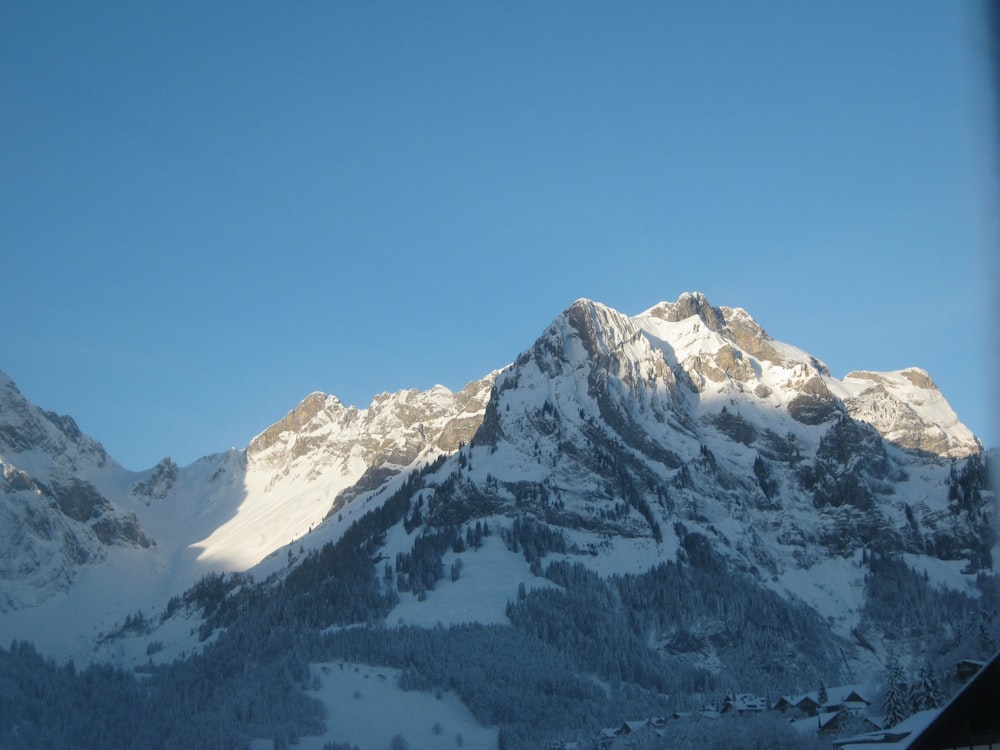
366	707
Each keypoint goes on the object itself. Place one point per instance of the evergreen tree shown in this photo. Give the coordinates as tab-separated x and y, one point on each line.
925	692
894	704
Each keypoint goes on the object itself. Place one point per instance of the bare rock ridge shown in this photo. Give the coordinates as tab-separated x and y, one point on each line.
905	407
732	323
693	414
296	420
25	427
322	454
394	430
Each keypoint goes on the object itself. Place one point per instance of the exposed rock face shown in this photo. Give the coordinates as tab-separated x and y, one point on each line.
25	427
731	323
117	529
814	404
42	549
295	421
393	431
79	500
907	409
159	483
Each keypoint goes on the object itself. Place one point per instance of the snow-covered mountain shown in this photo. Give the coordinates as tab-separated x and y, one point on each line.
56	515
81	533
322	454
692	414
631	442
632	436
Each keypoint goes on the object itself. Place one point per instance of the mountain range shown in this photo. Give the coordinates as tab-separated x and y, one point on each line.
680	450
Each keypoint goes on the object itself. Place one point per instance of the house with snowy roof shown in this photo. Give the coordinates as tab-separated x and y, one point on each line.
808	704
782	704
706	713
839	698
606	736
629	732
848	696
633	727
829	722
743	703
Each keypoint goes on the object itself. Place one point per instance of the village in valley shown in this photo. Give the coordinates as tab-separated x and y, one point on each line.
848	716
825	711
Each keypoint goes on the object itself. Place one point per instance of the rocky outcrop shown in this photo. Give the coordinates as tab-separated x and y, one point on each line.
814	404
394	430
734	324
159	483
25	427
908	410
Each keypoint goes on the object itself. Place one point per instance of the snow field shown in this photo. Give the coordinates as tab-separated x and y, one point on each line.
834	587
365	707
489	579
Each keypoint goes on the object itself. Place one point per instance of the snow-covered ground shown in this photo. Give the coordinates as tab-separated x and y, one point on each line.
834	587
489	579
365	707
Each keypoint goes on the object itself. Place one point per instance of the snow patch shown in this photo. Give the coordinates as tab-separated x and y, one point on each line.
366	707
490	578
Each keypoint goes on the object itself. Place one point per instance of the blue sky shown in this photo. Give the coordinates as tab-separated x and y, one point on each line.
210	210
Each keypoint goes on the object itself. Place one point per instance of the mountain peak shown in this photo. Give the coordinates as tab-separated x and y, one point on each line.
688	305
598	329
306	411
920	378
26	427
9	391
734	324
585	305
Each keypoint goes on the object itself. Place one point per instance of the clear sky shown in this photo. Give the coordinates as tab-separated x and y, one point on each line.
209	210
